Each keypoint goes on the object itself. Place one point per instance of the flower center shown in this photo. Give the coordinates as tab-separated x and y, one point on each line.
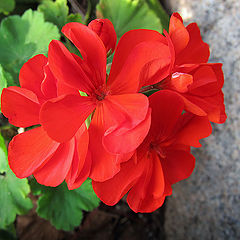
156	147
101	93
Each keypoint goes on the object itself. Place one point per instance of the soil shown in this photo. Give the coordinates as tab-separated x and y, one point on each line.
103	223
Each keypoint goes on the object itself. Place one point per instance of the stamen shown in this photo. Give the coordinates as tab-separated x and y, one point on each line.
156	147
101	93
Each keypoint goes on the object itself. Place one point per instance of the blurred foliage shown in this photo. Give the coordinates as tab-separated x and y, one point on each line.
13	198
74	18
57	12
132	14
3	155
23	37
6	6
14	191
91	10
157	8
3	80
63	207
7	235
28	1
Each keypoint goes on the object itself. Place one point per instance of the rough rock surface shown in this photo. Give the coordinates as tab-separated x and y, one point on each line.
207	205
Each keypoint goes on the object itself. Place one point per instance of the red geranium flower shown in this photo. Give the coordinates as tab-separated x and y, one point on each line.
105	30
34	152
187	73
121	117
163	158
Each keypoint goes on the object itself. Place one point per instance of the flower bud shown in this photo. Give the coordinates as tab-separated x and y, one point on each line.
105	30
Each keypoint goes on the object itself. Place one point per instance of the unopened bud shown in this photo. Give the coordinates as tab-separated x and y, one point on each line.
105	30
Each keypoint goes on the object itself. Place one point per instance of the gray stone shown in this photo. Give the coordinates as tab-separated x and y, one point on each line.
207	205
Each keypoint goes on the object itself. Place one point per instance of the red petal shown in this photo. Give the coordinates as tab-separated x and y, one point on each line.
171	49
217	68
180	82
62	117
178	165
65	68
129	140
49	84
127	43
196	51
104	164
57	166
112	190
207	80
82	175
29	150
148	193
105	30
187	68
93	76
178	33
147	205
192	129
20	106
91	48
81	164
175	17
192	107
212	105
148	62
220	115
31	74
82	141
124	117
164	119
131	110
155	71
135	49
64	89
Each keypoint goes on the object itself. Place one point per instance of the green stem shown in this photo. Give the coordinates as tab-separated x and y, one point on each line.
148	88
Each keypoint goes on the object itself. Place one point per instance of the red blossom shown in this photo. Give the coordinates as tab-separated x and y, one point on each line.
34	152
134	144
121	117
105	30
162	159
187	73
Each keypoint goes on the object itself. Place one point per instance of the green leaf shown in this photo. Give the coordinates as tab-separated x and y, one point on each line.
11	230
13	198
14	191
7	6
3	156
156	6
5	80
63	207
23	37
28	1
74	17
55	12
129	14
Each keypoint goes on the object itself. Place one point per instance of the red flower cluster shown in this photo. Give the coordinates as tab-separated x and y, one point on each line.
135	144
